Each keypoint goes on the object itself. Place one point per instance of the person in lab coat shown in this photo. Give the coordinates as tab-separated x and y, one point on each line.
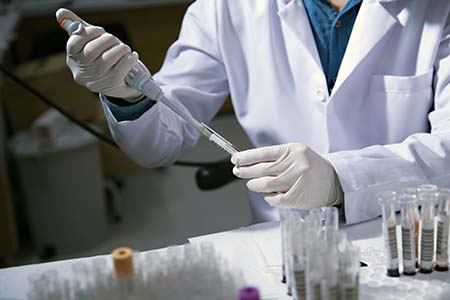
341	99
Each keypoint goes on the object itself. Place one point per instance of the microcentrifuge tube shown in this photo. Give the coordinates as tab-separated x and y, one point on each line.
408	204
249	293
443	224
427	199
387	201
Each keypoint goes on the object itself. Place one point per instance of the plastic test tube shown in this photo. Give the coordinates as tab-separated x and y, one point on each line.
387	201
349	269
315	269
299	261
413	191
283	212
443	225
427	199
408	210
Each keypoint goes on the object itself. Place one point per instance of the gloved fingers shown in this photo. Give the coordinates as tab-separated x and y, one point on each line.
258	155
102	66
109	59
268	184
76	43
259	170
114	81
274	199
64	13
95	48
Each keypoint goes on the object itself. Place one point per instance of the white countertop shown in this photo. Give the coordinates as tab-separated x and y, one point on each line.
256	250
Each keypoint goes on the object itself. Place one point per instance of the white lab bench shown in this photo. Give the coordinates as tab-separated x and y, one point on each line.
256	251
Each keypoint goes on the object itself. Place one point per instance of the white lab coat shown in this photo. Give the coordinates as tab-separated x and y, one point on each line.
385	125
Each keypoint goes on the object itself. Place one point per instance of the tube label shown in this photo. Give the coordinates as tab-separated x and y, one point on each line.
391	245
442	239
427	245
408	247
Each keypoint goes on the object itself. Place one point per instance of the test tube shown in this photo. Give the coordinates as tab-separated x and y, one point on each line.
349	272
427	199
331	217
443	224
413	192
299	261
315	269
331	275
408	219
283	219
286	232
387	201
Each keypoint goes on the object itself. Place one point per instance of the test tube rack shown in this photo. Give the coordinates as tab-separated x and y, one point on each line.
180	272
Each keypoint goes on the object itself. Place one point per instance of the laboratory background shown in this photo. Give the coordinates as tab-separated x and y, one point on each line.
361	210
65	193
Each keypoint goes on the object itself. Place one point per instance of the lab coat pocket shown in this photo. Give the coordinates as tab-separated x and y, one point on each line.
399	106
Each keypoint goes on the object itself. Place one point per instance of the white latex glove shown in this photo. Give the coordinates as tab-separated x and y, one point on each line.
99	60
289	175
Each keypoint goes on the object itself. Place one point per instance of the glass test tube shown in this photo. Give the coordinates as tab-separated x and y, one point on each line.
427	199
387	201
443	226
408	219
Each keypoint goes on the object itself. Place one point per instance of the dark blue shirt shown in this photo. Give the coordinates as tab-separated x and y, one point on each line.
331	32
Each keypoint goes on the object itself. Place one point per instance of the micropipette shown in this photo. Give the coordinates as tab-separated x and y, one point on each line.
145	84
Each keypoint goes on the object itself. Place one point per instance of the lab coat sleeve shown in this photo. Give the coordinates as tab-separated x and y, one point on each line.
192	74
421	158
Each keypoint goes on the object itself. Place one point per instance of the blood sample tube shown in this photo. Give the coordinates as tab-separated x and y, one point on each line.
413	192
443	224
387	201
427	199
408	204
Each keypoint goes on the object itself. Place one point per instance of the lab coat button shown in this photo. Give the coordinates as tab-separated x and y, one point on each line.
321	95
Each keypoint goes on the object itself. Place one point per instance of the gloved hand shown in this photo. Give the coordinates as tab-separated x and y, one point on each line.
289	175
99	60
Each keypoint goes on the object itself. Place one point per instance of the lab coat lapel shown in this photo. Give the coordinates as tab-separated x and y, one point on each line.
375	19
293	14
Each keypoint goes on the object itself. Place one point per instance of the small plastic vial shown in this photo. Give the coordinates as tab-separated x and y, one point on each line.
427	199
387	201
408	204
413	191
443	224
349	272
249	293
